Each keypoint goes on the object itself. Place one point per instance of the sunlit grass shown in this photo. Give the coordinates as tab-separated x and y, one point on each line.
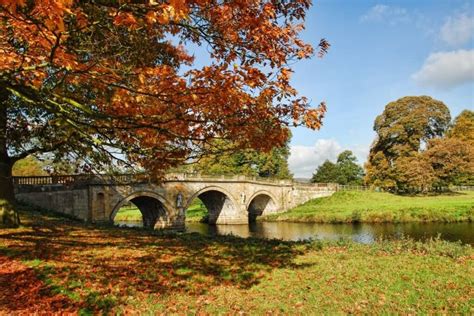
62	264
382	207
196	212
129	213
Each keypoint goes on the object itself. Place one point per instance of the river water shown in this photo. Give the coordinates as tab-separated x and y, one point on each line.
363	232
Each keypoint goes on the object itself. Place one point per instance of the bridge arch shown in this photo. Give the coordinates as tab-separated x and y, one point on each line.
155	208
261	203
219	203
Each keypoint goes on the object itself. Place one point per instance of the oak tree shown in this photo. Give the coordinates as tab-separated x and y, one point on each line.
110	80
403	130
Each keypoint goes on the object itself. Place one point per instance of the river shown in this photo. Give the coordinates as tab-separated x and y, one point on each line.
364	232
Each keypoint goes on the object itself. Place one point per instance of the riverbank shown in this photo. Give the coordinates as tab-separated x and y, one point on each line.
52	264
380	207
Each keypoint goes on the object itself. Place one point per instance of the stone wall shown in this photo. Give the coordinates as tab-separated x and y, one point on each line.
72	202
302	193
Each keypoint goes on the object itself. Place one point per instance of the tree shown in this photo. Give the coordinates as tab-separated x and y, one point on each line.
326	173
403	130
345	171
452	161
29	166
349	172
246	162
414	174
463	127
106	81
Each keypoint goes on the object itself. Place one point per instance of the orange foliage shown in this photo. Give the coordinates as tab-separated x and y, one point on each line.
121	62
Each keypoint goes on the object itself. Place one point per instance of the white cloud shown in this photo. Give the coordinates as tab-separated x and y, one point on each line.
384	13
304	160
445	70
457	30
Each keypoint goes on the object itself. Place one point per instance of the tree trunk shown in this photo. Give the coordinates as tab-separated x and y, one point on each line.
8	214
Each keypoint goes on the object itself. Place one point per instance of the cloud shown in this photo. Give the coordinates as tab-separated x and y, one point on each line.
445	70
457	30
384	13
304	160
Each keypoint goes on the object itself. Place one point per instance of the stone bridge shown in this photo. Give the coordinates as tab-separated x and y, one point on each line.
229	199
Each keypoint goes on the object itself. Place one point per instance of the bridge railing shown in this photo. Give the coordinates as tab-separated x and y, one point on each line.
83	179
192	176
45	180
79	179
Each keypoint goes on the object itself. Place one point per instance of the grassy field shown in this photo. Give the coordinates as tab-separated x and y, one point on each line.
195	213
351	206
129	213
52	264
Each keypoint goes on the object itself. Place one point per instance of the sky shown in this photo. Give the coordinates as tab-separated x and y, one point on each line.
380	51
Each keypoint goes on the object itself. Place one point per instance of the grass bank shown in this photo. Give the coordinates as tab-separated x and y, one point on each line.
195	213
374	207
52	264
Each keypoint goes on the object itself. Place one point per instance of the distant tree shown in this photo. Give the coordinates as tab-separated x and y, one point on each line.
463	126
403	130
273	164
326	173
245	162
349	172
29	166
344	171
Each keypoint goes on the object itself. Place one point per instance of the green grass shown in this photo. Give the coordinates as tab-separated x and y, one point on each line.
196	212
344	207
129	213
65	265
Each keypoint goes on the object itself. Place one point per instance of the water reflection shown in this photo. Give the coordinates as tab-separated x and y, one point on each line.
363	232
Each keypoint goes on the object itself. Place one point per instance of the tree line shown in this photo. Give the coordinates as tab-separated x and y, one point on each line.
417	149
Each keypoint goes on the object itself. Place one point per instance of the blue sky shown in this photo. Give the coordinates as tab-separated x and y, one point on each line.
381	51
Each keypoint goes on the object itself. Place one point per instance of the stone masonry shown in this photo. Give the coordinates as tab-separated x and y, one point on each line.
229	200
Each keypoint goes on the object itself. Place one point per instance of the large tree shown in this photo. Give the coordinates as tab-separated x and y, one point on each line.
403	130
108	80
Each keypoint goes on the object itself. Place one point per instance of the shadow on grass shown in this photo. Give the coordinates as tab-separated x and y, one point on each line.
100	267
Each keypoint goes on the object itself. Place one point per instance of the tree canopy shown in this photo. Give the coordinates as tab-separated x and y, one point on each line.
29	166
463	126
108	80
249	162
345	171
417	148
403	129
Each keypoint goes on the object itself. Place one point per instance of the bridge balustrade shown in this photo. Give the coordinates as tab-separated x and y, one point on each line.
84	179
